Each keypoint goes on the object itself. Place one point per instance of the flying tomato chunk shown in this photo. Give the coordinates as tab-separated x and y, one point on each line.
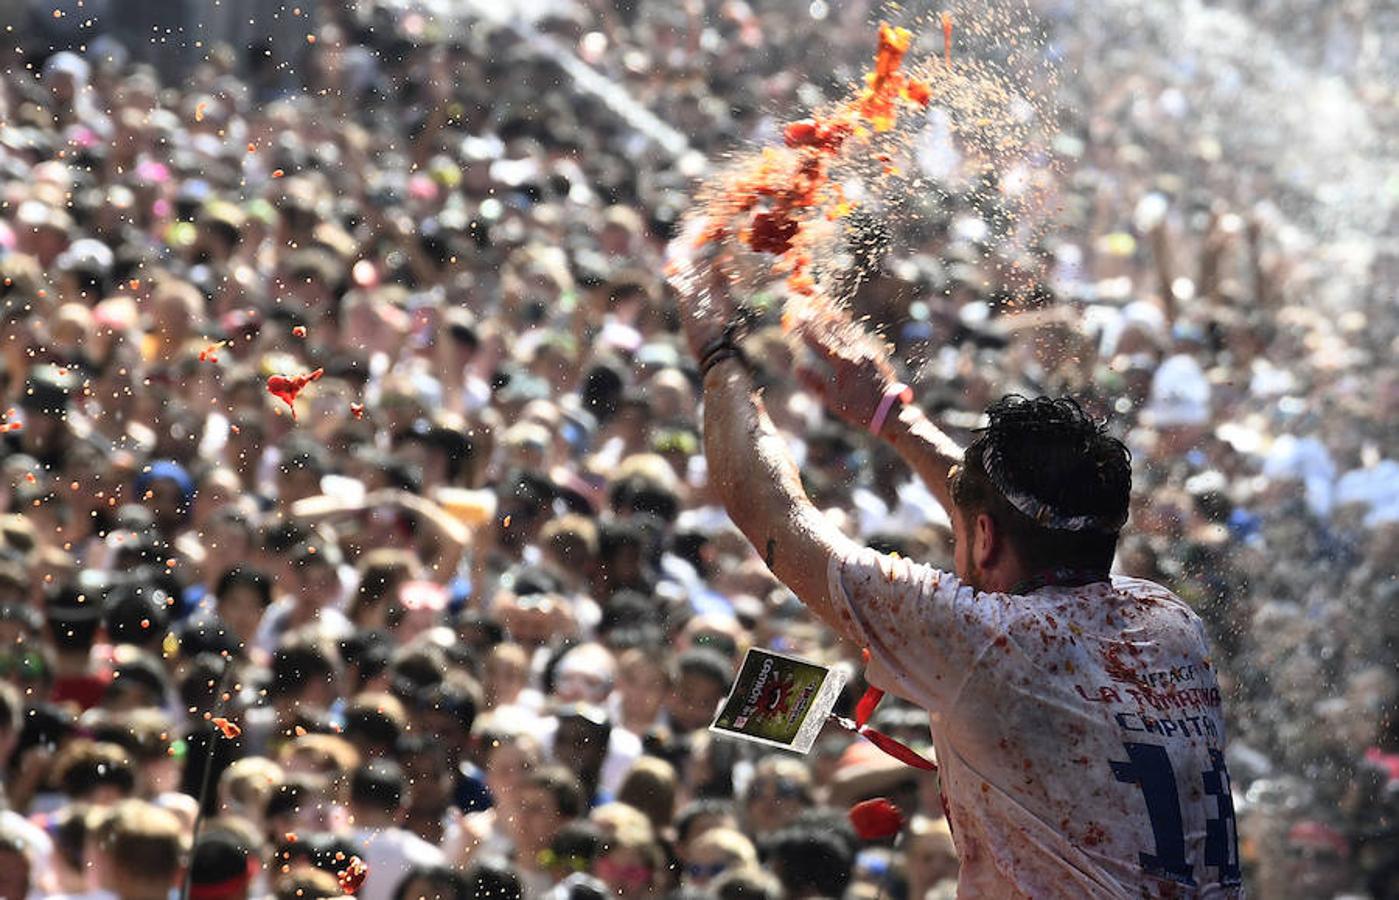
287	387
352	876
772	232
876	819
230	730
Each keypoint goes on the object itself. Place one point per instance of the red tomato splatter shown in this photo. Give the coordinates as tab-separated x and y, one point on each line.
299	331
772	232
801	133
287	387
774	198
230	730
210	353
918	91
352	876
357	410
885	82
876	819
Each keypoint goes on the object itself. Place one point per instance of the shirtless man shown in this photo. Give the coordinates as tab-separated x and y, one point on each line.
1075	715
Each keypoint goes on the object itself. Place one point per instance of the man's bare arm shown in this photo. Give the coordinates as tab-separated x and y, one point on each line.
926	449
757	479
851	372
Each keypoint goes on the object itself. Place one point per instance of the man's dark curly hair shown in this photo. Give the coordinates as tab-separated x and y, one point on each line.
1052	477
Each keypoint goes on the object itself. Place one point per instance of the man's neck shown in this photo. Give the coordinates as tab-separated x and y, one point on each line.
1063	576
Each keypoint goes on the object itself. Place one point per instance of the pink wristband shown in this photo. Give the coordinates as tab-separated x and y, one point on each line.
896	391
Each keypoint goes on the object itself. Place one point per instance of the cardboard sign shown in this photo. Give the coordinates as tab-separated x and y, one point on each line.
780	701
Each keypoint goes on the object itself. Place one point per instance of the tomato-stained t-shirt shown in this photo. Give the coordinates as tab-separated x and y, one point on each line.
1078	730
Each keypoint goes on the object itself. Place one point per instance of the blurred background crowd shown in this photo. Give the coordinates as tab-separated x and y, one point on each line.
471	608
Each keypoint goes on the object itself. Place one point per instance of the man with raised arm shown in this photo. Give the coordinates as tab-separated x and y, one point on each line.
1075	715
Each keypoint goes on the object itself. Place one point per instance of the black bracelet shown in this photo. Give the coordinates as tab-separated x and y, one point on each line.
722	342
723	347
729	337
718	355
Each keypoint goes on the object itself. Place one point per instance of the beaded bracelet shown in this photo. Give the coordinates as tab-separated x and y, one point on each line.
896	391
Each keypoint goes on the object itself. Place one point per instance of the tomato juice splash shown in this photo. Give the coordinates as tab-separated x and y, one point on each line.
287	387
773	201
912	139
229	729
351	878
876	819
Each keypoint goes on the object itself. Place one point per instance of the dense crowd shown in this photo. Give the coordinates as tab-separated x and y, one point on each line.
465	607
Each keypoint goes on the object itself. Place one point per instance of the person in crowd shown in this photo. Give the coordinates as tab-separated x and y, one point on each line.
486	533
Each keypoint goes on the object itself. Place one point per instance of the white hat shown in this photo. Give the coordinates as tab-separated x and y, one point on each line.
67	62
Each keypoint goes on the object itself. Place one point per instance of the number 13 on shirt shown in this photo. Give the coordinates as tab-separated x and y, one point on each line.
1149	767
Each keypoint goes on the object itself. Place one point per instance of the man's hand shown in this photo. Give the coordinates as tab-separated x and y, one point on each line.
847	367
702	288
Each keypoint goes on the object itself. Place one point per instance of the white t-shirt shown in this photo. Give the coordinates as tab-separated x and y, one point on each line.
389	854
1078	730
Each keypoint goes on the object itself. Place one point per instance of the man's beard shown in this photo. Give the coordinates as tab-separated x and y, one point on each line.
973	575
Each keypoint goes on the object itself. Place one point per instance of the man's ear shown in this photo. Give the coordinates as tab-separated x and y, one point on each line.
987	542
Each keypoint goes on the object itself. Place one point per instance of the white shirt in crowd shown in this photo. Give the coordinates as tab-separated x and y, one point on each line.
1078	729
389	854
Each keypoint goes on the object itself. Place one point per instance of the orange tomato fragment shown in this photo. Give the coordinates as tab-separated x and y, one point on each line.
229	729
352	876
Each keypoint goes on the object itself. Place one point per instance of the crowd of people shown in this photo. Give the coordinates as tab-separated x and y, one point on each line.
465	607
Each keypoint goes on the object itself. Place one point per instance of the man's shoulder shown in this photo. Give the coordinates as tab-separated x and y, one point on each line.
1105	607
1142	590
